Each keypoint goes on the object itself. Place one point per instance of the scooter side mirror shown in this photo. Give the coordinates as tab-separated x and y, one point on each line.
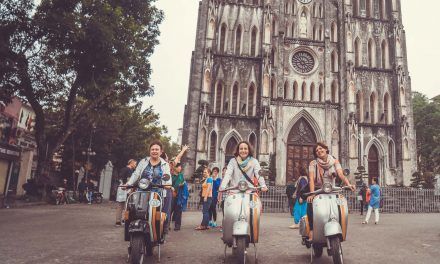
166	177
346	172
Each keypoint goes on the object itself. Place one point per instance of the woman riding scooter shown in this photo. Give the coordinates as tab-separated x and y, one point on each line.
242	206
322	170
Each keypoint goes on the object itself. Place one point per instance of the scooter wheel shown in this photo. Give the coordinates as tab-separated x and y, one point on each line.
137	252
336	250
317	250
241	250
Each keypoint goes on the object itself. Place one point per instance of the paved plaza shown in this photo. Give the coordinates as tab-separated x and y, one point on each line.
86	234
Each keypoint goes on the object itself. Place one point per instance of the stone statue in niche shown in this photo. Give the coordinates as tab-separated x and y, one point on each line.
303	25
351	70
204	119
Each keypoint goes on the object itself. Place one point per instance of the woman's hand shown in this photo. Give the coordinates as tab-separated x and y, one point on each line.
352	187
205	199
264	189
310	198
300	200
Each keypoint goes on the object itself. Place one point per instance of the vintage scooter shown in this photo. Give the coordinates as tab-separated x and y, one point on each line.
241	220
144	220
330	221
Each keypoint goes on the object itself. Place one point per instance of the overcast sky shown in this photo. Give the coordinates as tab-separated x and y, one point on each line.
172	57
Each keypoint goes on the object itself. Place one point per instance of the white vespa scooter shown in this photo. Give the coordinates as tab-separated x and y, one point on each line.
241	219
330	221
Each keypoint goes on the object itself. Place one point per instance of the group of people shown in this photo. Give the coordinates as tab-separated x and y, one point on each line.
324	168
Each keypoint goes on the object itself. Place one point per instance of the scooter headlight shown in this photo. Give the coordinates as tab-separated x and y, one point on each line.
242	186
327	187
144	183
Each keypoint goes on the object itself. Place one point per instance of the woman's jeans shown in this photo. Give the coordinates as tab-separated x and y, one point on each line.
206	206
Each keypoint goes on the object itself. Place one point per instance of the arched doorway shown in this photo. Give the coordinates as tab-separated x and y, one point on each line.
230	149
300	143
373	164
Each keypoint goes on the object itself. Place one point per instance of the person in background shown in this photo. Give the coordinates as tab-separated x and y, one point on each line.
121	194
290	191
374	202
90	189
215	186
300	207
180	200
206	198
82	187
362	197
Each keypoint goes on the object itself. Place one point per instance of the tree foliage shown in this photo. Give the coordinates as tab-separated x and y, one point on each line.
71	57
427	125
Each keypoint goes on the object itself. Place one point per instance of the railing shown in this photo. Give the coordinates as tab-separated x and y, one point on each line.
394	200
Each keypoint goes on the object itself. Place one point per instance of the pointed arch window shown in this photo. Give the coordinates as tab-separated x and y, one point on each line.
264	143
292	30
252	100
369	8
373	108
391	155
286	90
383	9
321	93
254	41
334	33
223	31
387	109
207	81
253	141
357	52
238	41
235	99
213	147
355	4
295	91
312	92
219	98
303	91
359	107
371	54
385	55
273	87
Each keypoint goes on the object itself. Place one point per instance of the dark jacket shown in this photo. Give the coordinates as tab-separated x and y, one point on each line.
125	174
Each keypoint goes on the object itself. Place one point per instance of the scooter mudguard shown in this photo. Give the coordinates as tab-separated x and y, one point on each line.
240	228
332	228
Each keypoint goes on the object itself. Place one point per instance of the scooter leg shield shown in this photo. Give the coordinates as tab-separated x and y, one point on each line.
240	228
332	228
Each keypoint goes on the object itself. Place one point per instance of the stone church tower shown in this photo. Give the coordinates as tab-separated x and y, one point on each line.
284	74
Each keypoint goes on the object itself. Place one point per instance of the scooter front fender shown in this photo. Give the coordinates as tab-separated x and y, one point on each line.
240	228
332	228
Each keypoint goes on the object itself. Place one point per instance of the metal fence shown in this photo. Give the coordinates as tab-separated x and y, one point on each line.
394	200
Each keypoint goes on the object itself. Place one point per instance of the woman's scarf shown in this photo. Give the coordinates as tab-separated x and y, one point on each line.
325	168
244	164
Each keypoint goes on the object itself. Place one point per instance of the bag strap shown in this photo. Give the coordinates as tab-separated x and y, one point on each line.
244	174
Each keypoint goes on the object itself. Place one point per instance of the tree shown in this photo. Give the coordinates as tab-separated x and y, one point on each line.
427	125
118	136
69	57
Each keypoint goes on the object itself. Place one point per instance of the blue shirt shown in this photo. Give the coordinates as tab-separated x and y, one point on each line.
215	187
375	196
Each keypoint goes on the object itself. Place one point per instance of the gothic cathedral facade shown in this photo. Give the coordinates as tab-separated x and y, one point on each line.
285	74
